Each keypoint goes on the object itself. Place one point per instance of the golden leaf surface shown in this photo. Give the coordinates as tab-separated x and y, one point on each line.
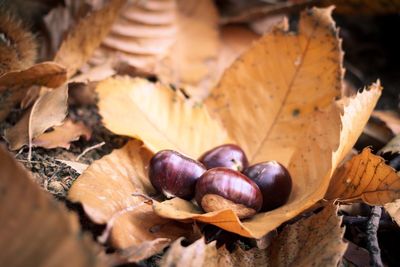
86	36
365	178
329	138
48	110
393	208
265	99
158	115
314	241
35	229
114	191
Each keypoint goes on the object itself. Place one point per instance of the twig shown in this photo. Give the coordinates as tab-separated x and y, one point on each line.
89	149
372	238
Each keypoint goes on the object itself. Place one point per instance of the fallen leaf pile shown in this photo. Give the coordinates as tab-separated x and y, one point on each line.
278	96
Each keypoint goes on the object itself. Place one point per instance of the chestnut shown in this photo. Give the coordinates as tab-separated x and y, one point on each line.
274	181
229	156
174	174
222	188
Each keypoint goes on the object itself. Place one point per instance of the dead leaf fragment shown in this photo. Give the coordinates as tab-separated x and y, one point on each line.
391	118
314	241
106	191
49	110
63	135
266	98
86	36
393	146
15	85
30	214
365	178
156	114
393	208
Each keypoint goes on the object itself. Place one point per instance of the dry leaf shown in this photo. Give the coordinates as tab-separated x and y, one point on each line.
234	41
14	85
157	115
106	190
86	36
393	208
63	135
315	241
35	230
49	110
391	118
330	137
266	98
78	167
366	178
175	39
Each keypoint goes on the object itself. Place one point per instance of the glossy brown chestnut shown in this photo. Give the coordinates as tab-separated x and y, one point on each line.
223	188
274	181
174	174
228	156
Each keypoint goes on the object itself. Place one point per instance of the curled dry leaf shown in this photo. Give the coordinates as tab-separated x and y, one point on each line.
109	191
314	241
48	110
63	135
175	39
35	230
14	85
158	115
365	178
328	134
86	36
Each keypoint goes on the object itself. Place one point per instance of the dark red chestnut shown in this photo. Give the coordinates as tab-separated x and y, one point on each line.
174	174
274	181
223	188
228	156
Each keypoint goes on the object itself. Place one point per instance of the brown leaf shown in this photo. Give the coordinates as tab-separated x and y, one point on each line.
156	114
315	241
15	84
35	230
266	98
86	36
365	178
393	208
49	110
63	135
175	39
106	190
325	141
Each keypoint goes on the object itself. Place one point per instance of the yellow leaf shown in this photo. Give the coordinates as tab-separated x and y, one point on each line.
393	208
329	138
266	98
366	178
35	230
156	114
